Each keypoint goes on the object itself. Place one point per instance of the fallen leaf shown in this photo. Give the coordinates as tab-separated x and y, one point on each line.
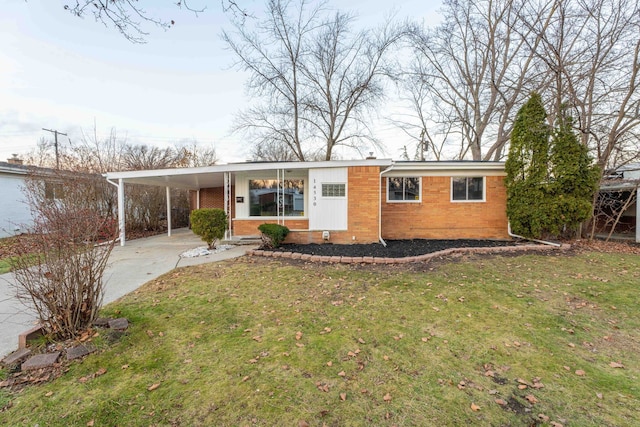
245	379
435	309
49	394
124	367
531	398
387	397
501	402
361	341
385	357
616	365
101	371
150	333
343	396
580	373
153	386
90	423
543	418
475	407
556	424
257	338
302	423
599	395
522	387
329	363
299	335
342	374
425	339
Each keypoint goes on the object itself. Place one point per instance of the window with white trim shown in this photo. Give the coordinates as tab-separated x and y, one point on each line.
334	190
272	197
467	189
403	189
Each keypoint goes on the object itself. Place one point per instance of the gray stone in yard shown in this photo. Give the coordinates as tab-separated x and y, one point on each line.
16	356
40	361
102	322
77	352
120	324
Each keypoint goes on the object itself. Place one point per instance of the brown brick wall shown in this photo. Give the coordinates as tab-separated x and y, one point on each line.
211	198
436	217
249	227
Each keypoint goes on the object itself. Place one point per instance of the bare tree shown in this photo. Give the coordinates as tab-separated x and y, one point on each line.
190	153
130	18
476	67
591	52
344	81
315	78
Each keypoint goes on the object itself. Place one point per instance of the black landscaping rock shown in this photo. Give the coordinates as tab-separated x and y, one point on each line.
394	248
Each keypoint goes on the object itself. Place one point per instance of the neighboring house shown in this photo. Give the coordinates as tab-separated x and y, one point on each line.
360	201
617	206
14	210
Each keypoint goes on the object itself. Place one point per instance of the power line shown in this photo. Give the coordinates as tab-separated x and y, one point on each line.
56	133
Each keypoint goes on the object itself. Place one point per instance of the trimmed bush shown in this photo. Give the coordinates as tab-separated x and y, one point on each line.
209	224
272	235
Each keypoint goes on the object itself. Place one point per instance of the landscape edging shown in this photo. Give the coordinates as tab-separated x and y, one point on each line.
403	260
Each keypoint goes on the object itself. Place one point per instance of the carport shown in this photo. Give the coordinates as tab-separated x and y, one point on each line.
192	179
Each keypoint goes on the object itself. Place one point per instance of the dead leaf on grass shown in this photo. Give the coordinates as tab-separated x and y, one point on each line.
90	423
49	394
342	374
580	373
531	398
343	396
153	386
299	335
616	365
501	402
474	407
387	397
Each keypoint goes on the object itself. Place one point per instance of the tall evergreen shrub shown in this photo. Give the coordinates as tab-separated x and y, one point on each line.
528	201
550	177
575	177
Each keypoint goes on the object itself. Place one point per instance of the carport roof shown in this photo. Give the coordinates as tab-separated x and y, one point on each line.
213	176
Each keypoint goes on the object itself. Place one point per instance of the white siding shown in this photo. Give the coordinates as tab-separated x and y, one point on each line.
14	211
327	213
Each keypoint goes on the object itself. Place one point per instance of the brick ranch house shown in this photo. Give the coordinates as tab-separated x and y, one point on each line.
358	201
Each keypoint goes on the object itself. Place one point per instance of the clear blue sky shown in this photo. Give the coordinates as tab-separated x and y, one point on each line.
61	72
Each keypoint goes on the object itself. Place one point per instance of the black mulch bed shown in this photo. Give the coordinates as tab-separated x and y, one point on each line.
394	248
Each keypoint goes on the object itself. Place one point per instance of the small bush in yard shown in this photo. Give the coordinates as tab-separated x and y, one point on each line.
209	224
273	234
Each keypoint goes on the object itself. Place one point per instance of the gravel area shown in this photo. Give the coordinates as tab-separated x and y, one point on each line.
394	248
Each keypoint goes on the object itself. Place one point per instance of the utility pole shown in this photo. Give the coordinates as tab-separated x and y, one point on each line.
56	133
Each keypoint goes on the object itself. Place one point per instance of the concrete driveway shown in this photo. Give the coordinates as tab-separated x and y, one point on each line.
129	267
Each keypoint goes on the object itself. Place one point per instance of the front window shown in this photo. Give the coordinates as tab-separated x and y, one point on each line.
403	189
467	189
271	197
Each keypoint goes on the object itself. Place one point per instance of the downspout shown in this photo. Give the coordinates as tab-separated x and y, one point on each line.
380	204
557	245
121	224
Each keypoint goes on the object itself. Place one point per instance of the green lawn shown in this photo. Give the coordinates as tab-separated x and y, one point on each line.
491	341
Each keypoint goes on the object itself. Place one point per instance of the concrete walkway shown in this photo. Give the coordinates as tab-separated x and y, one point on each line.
129	267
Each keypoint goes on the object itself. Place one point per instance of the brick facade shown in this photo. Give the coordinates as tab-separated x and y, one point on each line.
436	217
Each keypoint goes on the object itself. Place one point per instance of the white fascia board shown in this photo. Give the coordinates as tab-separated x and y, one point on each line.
448	168
244	167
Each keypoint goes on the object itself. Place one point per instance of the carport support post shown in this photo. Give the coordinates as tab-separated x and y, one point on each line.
168	212
637	213
121	225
